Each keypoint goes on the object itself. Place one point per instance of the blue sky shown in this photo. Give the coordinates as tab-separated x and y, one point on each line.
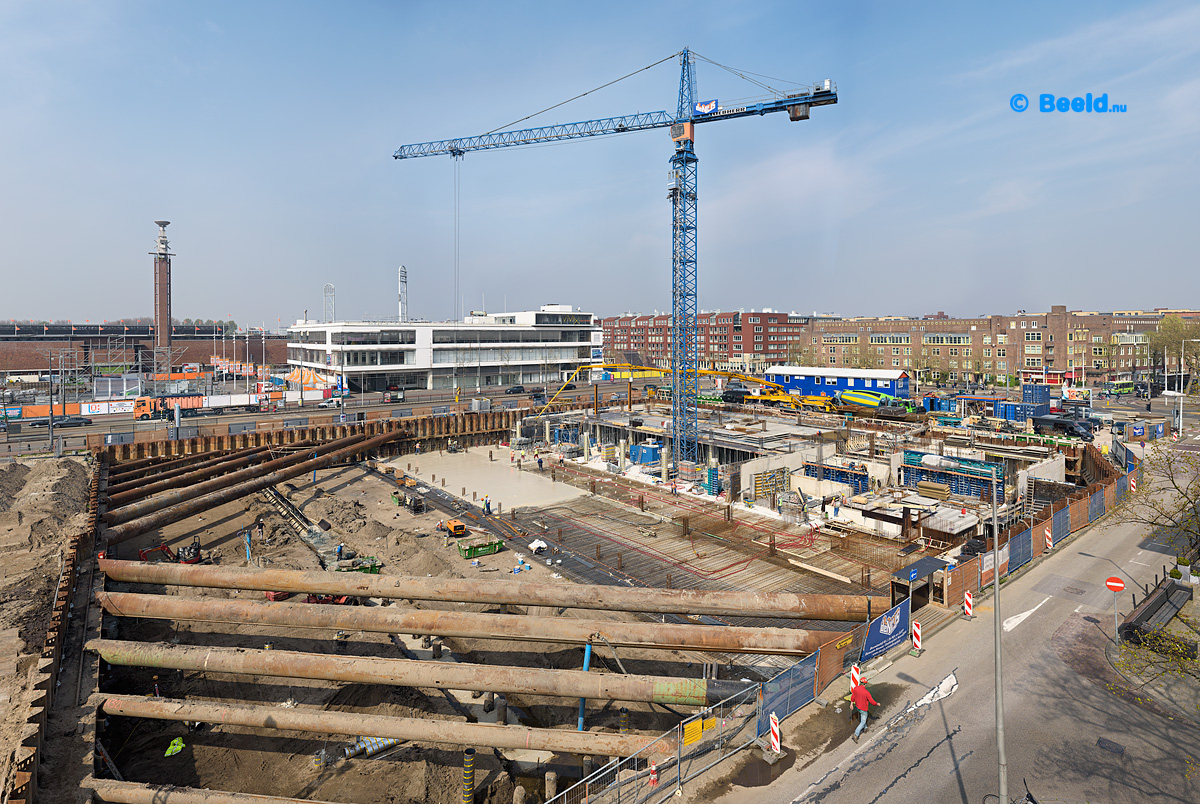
264	132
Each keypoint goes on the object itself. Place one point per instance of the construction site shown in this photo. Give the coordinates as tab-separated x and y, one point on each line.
473	607
573	599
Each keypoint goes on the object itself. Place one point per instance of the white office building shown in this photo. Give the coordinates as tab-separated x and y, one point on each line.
485	351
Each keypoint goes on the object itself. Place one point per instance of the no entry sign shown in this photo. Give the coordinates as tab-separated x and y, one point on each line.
1115	584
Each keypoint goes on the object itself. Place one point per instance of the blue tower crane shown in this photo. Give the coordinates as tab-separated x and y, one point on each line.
681	192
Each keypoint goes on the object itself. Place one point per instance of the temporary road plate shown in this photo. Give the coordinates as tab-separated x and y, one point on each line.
1115	584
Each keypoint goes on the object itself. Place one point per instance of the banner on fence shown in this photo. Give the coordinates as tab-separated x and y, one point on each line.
887	631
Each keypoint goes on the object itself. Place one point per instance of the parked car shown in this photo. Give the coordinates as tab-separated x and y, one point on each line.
62	421
537	390
330	403
568	387
516	389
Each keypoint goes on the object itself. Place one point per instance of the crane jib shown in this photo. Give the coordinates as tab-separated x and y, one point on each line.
605	126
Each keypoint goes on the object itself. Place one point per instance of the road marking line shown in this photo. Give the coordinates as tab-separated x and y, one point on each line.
1143	563
1017	619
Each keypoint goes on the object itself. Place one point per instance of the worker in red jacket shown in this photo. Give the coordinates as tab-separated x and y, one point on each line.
860	698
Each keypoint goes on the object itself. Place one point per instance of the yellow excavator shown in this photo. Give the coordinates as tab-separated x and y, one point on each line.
768	393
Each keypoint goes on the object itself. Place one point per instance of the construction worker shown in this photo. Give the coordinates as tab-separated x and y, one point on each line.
539	463
860	699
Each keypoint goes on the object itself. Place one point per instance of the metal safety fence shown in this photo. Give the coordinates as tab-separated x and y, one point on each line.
697	743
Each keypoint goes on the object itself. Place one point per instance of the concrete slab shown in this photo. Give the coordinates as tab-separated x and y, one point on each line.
499	478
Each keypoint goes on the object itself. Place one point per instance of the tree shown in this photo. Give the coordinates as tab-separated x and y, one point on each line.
1167	501
1172	333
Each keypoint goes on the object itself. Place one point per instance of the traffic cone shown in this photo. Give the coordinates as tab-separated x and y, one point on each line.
653	774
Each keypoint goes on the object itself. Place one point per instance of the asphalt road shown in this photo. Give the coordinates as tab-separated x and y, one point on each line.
1067	732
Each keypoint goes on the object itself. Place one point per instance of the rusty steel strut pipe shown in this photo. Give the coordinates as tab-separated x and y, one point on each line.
183	510
401	728
409	673
567	595
110	791
717	638
122	493
131	512
128	470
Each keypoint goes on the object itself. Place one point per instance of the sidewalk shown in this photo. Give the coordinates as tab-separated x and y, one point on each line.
1174	684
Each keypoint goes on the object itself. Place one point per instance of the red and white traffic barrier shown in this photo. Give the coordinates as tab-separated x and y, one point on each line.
855	676
653	774
774	733
916	635
1132	483
1174	436
968	604
1049	538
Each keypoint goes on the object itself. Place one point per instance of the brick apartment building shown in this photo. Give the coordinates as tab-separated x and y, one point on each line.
1081	346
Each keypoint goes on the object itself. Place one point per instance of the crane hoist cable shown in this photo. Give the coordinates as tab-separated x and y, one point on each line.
589	92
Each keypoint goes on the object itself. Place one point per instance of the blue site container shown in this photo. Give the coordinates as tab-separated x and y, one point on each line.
1035	394
650	452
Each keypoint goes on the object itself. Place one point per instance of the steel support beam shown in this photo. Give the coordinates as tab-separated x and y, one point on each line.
110	791
409	673
130	512
394	620
128	491
447	732
573	596
183	510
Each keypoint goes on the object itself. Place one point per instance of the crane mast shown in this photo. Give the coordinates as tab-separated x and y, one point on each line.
681	192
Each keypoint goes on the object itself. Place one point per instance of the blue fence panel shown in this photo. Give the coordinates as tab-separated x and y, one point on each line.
1122	487
787	692
1020	550
242	427
289	424
1096	506
1061	524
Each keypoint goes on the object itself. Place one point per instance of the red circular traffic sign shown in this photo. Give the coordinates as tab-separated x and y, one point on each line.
1115	584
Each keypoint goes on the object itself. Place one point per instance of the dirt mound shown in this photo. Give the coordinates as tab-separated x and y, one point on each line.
41	505
12	480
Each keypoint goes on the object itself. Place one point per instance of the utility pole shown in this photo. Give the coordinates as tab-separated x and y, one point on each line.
1002	760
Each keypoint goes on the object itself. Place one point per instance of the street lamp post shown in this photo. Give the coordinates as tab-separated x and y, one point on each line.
1002	761
1182	341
